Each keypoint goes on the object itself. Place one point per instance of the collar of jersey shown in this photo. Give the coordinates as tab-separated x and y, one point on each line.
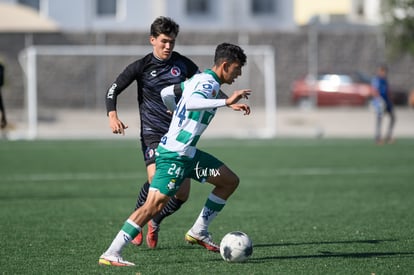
159	59
210	72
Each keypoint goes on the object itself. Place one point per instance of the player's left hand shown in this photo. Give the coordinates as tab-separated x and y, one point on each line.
241	107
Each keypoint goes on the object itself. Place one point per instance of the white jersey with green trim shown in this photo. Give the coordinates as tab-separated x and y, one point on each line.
194	112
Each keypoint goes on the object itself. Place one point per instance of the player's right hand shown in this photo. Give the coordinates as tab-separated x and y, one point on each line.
117	126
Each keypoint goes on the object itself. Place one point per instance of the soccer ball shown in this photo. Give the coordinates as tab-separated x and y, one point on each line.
236	246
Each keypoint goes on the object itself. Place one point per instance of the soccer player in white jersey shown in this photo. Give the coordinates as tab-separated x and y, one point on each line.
178	158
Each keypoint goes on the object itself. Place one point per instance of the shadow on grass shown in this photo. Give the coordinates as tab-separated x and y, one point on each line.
327	254
330	242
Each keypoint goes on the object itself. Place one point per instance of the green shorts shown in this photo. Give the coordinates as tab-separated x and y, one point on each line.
171	172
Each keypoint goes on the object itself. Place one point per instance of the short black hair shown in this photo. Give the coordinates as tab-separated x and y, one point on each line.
230	53
383	66
164	25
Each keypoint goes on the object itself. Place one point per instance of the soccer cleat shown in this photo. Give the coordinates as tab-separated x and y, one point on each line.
114	260
204	239
138	239
152	234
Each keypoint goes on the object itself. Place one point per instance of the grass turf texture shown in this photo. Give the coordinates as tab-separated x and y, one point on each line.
310	206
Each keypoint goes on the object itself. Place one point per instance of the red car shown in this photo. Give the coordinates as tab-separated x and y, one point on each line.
332	89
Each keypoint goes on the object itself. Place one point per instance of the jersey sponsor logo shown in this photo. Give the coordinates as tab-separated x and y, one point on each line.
207	86
202	172
153	73
111	91
175	71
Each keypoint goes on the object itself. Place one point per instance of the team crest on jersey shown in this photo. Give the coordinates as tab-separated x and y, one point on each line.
175	71
171	184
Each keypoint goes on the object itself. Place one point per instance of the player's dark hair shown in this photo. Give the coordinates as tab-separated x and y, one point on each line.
230	53
383	66
164	25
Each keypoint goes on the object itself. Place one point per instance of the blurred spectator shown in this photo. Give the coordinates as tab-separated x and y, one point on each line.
382	103
3	122
411	99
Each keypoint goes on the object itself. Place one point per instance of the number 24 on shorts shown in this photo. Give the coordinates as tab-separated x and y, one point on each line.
176	171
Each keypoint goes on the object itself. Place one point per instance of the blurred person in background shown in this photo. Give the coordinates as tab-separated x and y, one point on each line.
382	104
3	122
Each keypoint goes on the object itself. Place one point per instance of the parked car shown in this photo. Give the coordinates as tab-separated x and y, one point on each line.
332	89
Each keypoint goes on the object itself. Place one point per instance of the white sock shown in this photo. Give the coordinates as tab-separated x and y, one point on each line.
128	232
210	210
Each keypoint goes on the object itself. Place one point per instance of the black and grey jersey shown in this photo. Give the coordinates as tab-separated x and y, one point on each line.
151	75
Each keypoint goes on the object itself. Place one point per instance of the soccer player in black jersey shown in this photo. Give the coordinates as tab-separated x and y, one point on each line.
153	72
3	121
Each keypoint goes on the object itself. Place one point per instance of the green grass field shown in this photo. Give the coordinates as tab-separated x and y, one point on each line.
327	206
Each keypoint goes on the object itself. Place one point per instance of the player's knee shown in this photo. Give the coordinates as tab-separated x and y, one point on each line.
233	182
152	207
149	210
184	191
182	196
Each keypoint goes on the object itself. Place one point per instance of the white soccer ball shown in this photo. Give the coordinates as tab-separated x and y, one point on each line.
236	246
